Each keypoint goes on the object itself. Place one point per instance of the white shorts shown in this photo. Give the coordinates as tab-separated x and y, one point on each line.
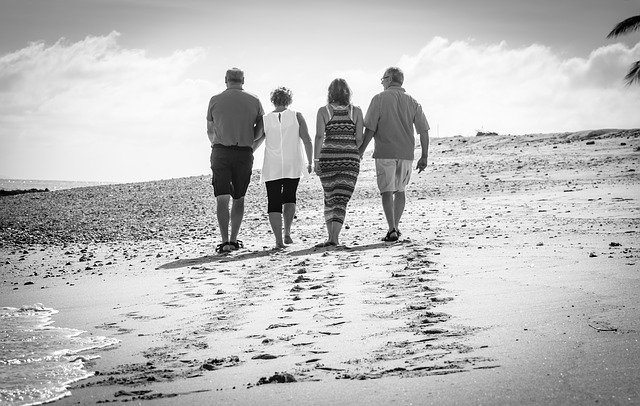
393	175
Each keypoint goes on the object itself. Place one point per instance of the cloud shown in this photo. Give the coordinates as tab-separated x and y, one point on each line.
93	107
467	87
93	110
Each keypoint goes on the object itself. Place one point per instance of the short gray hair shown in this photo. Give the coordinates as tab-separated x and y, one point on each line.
234	75
396	74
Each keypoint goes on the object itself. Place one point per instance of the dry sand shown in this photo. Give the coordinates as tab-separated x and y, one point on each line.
516	281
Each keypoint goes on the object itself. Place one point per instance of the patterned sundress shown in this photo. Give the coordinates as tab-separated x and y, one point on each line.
338	163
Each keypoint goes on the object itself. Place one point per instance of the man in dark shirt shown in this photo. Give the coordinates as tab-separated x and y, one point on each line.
233	120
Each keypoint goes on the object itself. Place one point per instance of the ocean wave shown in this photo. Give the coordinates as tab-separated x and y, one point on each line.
39	361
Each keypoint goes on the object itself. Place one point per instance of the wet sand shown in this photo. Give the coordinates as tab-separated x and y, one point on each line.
515	281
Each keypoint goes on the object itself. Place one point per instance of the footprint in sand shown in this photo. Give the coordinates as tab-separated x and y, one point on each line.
265	356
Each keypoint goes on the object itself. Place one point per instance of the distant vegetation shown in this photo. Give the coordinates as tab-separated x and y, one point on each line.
21	192
485	134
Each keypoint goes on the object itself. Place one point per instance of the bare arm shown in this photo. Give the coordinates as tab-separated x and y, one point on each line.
210	131
371	120
368	135
306	140
424	144
320	128
258	134
359	127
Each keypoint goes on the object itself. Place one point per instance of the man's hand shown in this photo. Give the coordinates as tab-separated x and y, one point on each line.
422	164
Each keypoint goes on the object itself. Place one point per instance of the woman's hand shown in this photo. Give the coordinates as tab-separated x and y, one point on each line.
309	168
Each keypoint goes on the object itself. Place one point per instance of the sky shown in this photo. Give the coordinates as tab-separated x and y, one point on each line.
117	90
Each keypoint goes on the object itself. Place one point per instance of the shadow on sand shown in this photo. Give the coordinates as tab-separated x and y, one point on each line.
232	257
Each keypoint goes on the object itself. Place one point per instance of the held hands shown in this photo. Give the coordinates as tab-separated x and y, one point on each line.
309	168
422	164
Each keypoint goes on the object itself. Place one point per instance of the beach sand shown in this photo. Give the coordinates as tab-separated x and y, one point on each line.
516	281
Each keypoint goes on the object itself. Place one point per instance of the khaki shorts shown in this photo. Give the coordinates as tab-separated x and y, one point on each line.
393	175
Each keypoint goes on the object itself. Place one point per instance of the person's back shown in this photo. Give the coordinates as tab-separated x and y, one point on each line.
390	119
233	113
392	116
283	150
233	119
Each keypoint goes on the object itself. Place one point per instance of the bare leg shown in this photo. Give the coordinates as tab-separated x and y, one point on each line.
398	207
222	213
329	228
275	219
388	208
334	233
237	212
288	213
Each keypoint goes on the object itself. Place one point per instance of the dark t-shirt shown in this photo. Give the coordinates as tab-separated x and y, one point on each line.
233	114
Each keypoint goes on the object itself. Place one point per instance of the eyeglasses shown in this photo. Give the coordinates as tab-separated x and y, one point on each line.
385	77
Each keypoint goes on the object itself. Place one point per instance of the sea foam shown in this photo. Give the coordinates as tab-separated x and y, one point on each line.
39	361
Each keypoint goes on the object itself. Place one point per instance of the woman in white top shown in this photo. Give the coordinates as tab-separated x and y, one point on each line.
283	164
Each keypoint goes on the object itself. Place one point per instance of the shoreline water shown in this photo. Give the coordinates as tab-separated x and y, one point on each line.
52	185
39	360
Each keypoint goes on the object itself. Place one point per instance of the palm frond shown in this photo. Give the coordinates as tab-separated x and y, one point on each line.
628	25
634	74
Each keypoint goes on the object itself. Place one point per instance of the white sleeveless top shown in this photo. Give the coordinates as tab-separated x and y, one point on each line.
283	156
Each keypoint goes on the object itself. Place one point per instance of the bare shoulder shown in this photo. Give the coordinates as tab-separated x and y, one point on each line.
322	112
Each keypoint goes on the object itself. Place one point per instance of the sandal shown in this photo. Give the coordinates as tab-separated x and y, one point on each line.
391	236
236	245
220	247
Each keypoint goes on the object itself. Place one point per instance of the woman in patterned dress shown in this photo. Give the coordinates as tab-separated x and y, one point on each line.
339	133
